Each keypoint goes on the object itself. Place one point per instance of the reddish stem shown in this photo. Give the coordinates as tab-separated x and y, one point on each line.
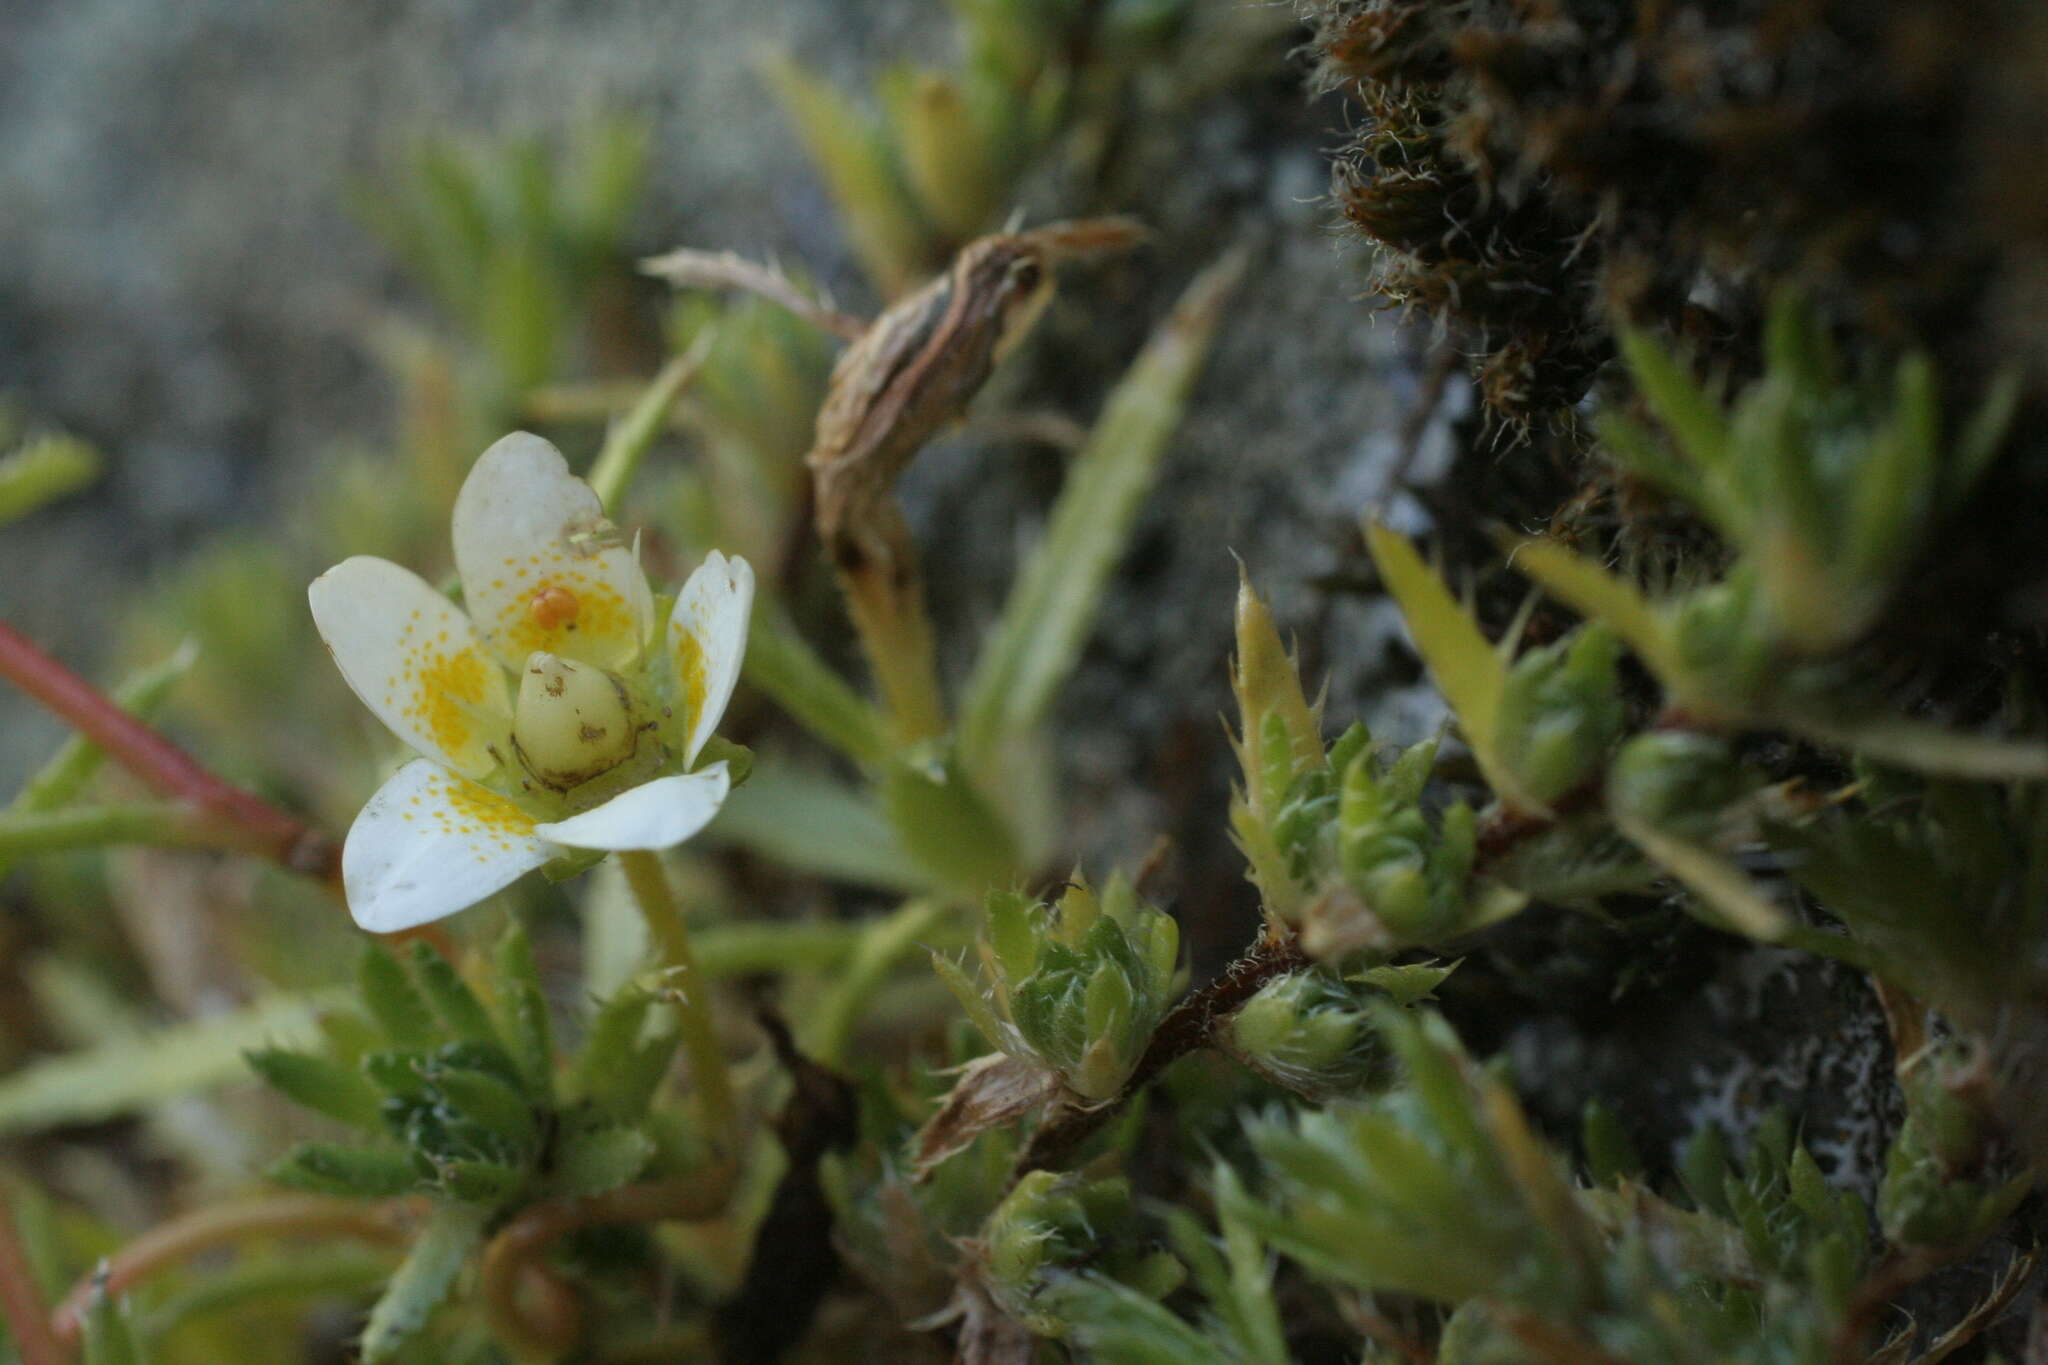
247	822
222	1225
21	1303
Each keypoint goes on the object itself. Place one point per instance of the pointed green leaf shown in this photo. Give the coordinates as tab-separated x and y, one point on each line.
392	999
593	1160
1693	416
1599	595
350	1172
1725	888
452	999
423	1281
324	1086
1055	597
523	1012
851	153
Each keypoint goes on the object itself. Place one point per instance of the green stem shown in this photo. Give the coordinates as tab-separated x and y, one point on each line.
649	882
96	826
882	944
740	949
627	444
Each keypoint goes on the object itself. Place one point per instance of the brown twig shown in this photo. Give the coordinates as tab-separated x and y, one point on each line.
513	1257
222	1224
244	822
21	1302
1189	1025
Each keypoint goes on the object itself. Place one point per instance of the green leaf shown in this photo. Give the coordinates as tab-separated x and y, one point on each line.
1059	589
613	1037
971	1000
350	1172
134	1073
593	1160
782	663
42	471
1693	416
392	999
109	1333
1725	888
813	823
425	1278
1924	748
1599	595
944	823
483	1182
324	1086
853	156
61	779
460	1011
523	1013
488	1102
1468	670
626	445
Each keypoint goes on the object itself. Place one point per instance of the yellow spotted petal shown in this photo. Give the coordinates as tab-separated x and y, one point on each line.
415	660
430	843
541	567
707	638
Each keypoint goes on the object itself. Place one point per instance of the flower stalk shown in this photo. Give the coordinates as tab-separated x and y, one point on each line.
690	994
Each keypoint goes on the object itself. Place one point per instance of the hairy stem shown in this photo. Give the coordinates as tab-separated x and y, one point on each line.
223	1224
691	993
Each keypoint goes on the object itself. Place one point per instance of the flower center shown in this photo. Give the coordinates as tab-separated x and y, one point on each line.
572	721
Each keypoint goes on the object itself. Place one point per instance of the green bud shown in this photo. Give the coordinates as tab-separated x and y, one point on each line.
1675	779
1307	1032
1050	1225
1561	711
1076	988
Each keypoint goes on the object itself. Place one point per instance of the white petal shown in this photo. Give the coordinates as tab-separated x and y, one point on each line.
415	660
707	640
541	567
657	814
430	843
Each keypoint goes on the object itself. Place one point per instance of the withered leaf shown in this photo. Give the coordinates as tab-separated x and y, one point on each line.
992	1091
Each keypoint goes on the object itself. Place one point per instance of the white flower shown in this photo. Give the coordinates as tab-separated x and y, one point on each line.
545	718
